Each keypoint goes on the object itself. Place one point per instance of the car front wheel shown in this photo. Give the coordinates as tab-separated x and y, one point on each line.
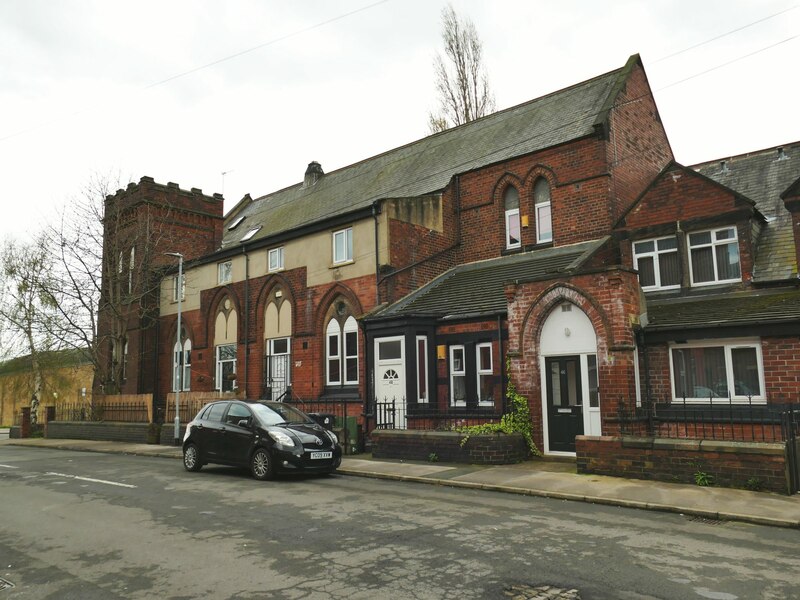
191	458
261	465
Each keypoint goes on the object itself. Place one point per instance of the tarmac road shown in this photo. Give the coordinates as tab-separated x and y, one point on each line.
87	525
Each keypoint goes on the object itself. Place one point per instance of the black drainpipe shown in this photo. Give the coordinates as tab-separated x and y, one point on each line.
640	340
246	315
375	213
503	382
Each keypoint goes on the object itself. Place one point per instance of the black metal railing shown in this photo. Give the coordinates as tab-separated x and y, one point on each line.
126	412
733	421
342	416
395	413
790	428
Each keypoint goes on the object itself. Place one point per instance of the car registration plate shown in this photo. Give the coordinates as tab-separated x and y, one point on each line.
316	455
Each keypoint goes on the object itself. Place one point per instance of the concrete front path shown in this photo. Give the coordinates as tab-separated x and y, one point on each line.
551	479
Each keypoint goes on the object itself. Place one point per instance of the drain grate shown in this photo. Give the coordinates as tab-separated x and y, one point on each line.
706	520
5	584
541	592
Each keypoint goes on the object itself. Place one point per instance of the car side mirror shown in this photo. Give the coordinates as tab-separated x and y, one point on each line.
244	423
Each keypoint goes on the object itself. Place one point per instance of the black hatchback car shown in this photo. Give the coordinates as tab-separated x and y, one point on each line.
267	437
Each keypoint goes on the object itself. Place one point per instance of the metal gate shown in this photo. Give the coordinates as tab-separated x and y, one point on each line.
790	424
277	381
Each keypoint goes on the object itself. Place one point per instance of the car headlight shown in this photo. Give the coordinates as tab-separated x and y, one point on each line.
282	438
332	435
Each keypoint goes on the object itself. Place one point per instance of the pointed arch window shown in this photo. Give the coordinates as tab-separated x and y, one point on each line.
182	366
513	230
544	218
342	352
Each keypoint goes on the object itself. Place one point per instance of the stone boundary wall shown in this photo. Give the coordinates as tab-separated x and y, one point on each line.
136	433
482	449
731	464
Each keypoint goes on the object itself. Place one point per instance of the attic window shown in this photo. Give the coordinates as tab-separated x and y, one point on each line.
235	223
250	233
782	154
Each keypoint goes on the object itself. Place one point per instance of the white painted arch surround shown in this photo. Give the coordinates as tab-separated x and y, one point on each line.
568	333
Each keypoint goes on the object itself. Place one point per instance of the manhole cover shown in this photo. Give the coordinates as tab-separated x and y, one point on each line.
4	584
541	592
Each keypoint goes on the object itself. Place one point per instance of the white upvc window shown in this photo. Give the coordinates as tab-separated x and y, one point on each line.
333	350
717	371
513	229
658	263
226	367
486	378
542	205
343	246
225	272
423	395
458	376
714	256
175	288
342	352
276	259
182	366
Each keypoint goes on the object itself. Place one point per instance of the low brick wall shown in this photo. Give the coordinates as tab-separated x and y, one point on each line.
107	432
483	449
168	434
731	464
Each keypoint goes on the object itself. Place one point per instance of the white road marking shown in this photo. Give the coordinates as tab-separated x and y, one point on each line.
125	485
9	467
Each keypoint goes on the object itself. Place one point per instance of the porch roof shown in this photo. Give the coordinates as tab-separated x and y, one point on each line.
737	309
478	288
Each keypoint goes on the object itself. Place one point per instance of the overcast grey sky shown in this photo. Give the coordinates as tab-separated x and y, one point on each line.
89	86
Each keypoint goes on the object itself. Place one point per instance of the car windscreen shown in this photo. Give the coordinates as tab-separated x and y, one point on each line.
277	413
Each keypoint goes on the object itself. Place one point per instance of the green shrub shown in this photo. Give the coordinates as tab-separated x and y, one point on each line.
517	420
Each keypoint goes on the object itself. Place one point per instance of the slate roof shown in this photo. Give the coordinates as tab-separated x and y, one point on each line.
427	165
758	307
475	289
763	176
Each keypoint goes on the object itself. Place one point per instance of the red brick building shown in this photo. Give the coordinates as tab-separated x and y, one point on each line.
558	237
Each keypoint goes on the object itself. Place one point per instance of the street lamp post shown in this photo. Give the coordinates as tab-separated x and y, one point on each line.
179	380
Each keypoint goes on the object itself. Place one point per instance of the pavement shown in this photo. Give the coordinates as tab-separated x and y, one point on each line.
538	477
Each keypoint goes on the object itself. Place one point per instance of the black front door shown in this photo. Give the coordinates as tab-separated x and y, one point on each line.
564	402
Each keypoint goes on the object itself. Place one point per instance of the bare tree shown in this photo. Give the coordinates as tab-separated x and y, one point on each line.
462	83
27	309
103	279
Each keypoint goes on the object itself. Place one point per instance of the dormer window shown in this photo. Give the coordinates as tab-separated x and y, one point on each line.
658	263
511	201
714	256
